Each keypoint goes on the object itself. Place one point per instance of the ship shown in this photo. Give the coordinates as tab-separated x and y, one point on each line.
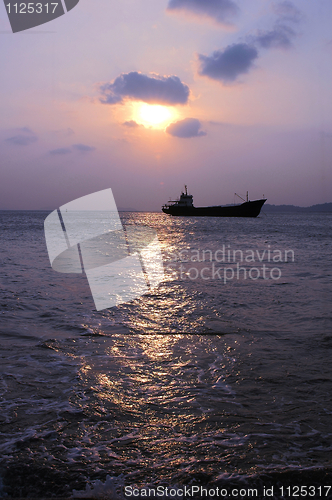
184	206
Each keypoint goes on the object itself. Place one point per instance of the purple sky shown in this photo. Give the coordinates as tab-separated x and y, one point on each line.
146	96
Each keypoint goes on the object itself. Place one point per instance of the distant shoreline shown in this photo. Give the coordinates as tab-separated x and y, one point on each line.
321	208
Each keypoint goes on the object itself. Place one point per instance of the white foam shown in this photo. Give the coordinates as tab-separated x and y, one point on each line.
98	489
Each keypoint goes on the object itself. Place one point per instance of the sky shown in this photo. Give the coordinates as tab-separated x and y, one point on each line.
145	96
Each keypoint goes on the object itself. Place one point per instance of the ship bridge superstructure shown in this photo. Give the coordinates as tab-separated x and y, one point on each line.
185	200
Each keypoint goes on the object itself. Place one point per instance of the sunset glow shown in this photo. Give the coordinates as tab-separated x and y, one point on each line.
154	115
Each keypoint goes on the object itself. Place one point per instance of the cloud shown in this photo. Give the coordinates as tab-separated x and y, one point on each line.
288	12
25	130
219	10
189	127
218	124
154	89
21	140
24	137
324	134
66	132
280	37
228	64
60	151
131	124
82	148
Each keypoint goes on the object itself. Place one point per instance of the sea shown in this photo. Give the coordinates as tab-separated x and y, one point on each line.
217	383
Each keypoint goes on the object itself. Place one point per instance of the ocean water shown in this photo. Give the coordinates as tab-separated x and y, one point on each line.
218	378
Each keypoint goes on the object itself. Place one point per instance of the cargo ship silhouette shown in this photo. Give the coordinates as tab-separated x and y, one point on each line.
184	206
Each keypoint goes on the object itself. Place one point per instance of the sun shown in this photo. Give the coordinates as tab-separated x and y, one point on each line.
154	115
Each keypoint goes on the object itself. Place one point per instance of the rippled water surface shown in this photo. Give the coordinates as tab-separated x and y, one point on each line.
207	379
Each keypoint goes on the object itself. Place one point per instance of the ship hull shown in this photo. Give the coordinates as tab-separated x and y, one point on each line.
246	209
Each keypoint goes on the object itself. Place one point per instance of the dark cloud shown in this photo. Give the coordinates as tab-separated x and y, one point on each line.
219	10
131	124
280	37
60	151
189	127
228	64
24	137
82	148
288	12
153	89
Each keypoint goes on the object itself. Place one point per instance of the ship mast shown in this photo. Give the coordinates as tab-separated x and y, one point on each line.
235	194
